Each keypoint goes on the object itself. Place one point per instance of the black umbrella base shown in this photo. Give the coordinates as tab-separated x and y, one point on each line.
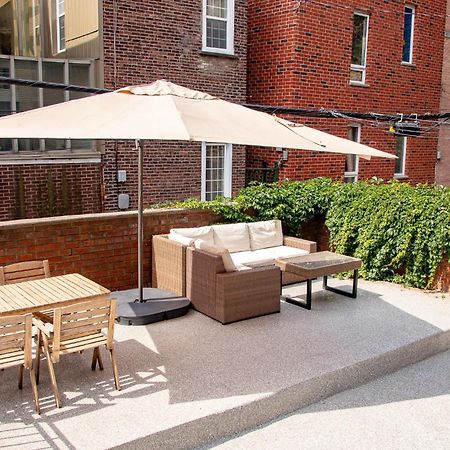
158	305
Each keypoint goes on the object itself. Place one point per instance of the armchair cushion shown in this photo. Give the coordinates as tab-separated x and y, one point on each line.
266	256
233	237
188	241
218	251
265	234
204	233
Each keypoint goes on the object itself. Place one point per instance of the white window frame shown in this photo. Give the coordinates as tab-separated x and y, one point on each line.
59	14
229	50
404	148
227	173
361	68
354	175
413	24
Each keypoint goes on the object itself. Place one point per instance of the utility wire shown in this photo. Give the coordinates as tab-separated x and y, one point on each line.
307	112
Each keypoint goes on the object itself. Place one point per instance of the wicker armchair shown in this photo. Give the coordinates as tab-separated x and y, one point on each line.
230	296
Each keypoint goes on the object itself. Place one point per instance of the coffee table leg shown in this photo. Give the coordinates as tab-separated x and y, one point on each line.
306	305
352	294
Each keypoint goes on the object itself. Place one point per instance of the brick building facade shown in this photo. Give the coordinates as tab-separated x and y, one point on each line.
300	54
195	43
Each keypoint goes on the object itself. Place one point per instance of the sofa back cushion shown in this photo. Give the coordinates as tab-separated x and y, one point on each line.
204	233
234	237
265	234
218	251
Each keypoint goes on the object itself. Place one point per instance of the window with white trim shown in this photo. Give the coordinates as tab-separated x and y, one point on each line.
359	48
60	25
218	26
216	170
400	163
408	34
352	161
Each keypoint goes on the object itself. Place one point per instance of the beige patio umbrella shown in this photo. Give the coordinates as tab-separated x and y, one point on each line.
164	111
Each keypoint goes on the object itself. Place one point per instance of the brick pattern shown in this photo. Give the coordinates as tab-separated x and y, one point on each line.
28	191
300	57
103	247
163	40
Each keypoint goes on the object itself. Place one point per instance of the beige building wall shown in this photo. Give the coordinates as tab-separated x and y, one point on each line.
443	164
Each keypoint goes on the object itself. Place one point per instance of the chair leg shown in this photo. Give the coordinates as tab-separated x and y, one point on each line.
35	390
21	367
38	356
97	357
115	369
51	370
94	358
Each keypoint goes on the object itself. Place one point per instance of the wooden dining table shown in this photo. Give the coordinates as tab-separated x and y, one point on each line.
48	293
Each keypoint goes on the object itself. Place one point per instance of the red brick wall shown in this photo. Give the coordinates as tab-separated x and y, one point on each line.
299	55
102	247
163	40
28	191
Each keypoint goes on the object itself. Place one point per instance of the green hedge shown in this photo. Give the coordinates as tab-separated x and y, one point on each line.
400	232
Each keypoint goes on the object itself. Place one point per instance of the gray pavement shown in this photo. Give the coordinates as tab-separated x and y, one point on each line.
409	409
189	381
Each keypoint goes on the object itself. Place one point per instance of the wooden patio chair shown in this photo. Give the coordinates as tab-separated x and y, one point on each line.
15	349
74	329
24	271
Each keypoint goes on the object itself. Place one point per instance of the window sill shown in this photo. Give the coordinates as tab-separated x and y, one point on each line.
407	64
40	158
358	84
400	177
223	55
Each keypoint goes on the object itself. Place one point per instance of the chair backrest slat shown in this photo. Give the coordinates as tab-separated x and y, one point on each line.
24	271
82	319
15	335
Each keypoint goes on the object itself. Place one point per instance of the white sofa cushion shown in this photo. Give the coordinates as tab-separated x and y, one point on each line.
181	239
265	256
265	234
233	237
204	233
219	251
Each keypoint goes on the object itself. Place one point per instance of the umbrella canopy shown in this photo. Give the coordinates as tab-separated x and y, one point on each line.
166	111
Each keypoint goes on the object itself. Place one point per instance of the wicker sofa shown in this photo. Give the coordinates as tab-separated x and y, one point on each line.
169	255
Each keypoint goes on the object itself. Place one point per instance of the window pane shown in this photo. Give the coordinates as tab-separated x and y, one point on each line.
356	75
408	34
27	97
216	33
62	33
53	72
350	163
5	102
359	40
6	28
79	75
215	163
216	8
399	163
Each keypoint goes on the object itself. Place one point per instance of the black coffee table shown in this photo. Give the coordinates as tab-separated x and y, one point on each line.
320	264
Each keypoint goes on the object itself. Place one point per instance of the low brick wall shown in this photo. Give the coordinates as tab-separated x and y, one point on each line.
103	247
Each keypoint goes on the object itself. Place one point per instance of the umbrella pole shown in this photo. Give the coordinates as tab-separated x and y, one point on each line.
140	146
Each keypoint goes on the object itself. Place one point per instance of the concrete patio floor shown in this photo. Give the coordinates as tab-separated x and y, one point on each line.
190	381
